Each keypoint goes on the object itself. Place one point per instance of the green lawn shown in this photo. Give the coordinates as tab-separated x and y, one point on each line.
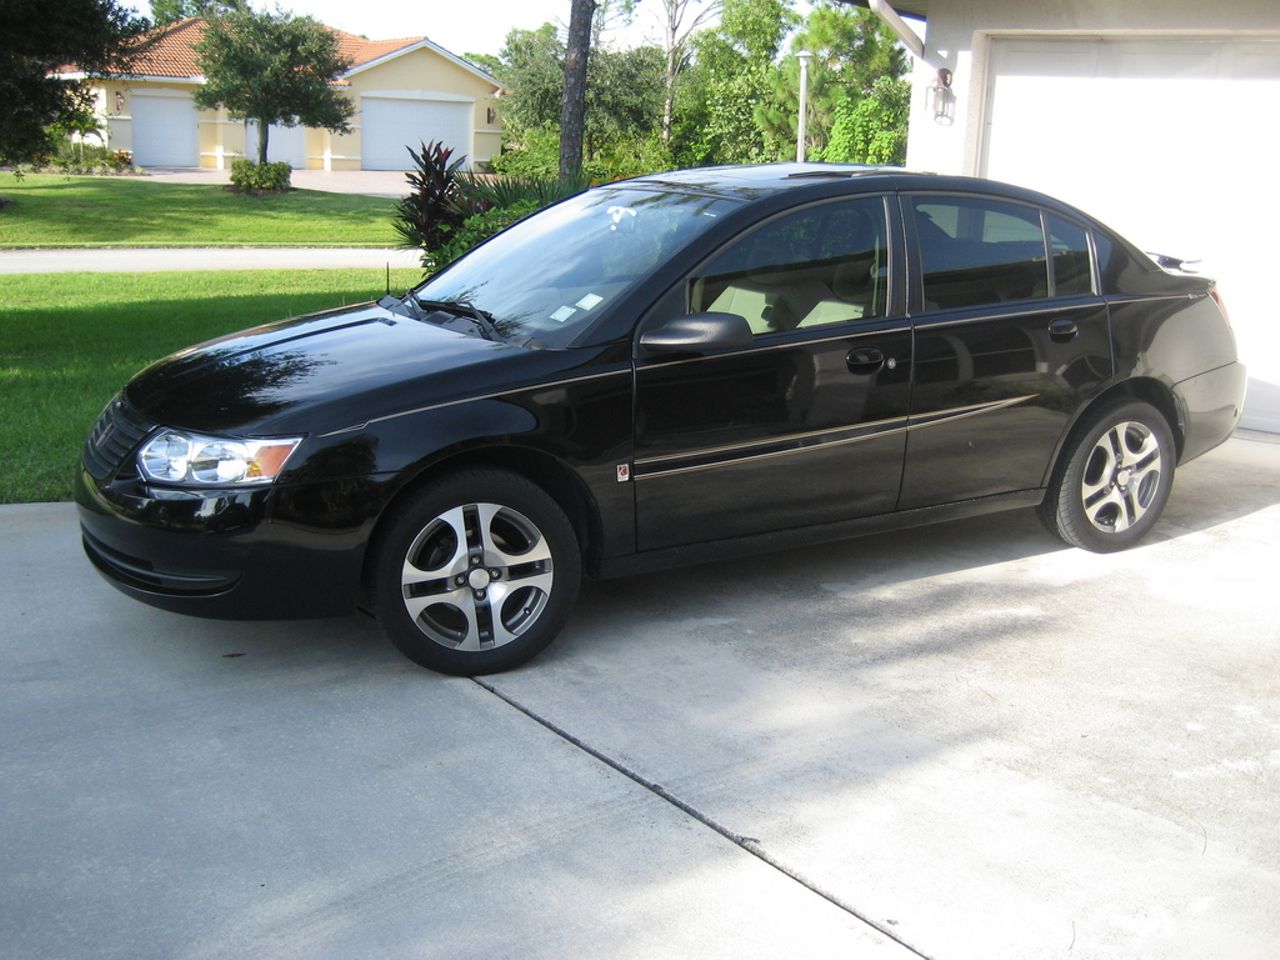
69	341
55	211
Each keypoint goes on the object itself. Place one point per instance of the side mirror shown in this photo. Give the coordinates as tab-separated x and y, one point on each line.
697	333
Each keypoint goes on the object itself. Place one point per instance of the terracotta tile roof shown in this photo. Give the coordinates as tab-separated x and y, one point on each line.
168	51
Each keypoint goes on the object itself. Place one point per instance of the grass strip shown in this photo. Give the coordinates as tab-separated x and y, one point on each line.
48	210
69	341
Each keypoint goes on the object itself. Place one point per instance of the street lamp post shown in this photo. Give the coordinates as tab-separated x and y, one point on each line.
803	56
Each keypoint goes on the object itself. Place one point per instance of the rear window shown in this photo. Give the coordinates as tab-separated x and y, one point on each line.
975	251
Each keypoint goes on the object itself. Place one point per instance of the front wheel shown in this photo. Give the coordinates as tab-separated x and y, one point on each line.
1115	481
475	574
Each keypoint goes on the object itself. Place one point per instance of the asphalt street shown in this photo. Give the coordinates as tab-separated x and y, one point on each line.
964	741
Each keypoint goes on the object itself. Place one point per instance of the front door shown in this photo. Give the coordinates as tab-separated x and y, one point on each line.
808	424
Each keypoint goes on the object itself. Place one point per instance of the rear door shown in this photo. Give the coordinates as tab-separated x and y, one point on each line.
1009	343
805	426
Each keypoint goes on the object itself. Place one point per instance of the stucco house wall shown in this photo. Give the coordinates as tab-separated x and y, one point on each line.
421	74
413	70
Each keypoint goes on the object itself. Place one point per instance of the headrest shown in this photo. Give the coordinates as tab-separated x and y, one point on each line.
853	277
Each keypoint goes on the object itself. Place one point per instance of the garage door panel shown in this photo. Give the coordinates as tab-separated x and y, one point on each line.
1163	140
284	144
389	125
164	131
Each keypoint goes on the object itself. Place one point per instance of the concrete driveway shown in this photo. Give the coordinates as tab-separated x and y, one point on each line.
964	741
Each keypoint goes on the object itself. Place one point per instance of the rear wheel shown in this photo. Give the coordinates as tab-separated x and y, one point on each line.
477	573
1115	481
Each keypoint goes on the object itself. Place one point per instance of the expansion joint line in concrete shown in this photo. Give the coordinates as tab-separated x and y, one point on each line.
750	844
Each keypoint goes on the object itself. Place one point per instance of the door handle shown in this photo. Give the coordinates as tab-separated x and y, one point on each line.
865	360
1063	329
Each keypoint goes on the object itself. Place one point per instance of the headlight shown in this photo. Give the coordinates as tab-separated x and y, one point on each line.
174	456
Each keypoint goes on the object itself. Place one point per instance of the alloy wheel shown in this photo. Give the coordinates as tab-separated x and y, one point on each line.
1121	477
477	577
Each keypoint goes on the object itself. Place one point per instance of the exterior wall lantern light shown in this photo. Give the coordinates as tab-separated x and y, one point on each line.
939	97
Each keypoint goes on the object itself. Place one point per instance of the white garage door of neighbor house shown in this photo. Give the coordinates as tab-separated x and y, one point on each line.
1172	142
284	144
164	131
387	126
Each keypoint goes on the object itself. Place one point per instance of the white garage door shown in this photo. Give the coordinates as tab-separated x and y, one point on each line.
164	131
284	144
387	126
1173	143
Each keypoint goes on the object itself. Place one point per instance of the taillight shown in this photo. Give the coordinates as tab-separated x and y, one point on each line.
1222	307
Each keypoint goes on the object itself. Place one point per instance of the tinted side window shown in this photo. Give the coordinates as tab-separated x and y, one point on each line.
827	264
976	251
1070	252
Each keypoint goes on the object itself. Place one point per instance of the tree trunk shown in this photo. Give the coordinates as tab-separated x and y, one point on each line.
573	109
262	140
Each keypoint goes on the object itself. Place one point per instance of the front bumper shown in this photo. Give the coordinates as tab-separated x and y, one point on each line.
270	553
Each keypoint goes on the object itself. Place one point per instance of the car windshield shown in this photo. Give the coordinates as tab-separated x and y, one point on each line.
549	276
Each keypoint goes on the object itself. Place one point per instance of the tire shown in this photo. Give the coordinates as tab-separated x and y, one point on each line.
1110	489
476	573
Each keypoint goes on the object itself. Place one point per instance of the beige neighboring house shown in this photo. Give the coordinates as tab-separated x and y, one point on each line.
404	91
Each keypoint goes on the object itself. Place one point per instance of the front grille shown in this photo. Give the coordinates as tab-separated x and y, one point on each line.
116	434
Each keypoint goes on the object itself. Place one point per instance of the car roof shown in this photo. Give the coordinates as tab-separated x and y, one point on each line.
748	183
814	180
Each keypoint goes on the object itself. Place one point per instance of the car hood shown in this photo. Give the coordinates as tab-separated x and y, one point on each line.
300	375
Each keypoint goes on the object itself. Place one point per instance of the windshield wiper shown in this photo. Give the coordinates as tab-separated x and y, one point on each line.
461	308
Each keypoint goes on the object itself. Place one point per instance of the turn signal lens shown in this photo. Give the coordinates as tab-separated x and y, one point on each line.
191	459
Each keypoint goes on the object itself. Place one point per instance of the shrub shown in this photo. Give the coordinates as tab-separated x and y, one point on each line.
476	194
874	129
481	226
121	161
622	157
535	154
613	156
430	214
250	177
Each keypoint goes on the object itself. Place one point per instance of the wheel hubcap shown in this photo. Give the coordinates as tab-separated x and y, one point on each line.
1121	477
477	577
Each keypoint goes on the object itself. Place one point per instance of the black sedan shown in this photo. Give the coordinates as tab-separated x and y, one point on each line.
662	371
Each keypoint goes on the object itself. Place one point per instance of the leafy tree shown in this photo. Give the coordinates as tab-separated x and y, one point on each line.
676	34
851	49
170	11
273	68
750	32
624	95
485	61
610	15
873	129
715	104
530	69
573	112
715	122
36	39
623	101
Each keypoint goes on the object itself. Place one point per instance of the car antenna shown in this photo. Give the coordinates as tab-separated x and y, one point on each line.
388	278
